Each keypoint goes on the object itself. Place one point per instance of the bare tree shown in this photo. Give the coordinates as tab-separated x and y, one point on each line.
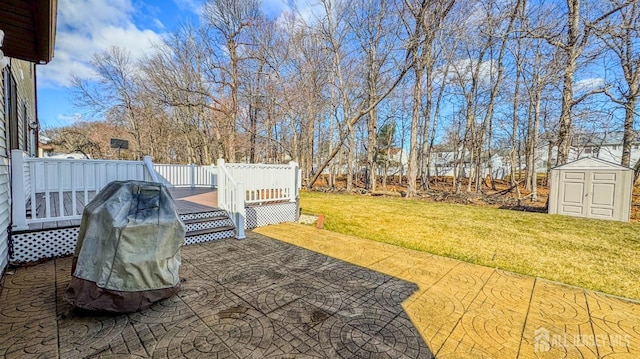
620	35
357	112
374	25
578	25
427	17
229	19
174	75
114	94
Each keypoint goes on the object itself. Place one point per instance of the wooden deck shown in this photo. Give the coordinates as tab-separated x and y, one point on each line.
187	200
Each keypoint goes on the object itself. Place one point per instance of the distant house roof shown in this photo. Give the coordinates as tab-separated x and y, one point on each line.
29	28
45	146
590	163
442	148
601	139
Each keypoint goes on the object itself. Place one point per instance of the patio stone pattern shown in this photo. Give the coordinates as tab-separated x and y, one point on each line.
255	298
341	297
464	310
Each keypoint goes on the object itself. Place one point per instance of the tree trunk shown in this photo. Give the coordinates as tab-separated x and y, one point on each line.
629	132
412	170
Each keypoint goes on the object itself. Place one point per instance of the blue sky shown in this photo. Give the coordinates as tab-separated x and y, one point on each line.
89	26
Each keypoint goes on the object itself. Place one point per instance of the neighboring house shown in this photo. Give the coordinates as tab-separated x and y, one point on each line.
443	158
397	161
28	29
603	145
45	149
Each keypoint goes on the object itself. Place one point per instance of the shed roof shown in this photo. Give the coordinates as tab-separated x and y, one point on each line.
591	163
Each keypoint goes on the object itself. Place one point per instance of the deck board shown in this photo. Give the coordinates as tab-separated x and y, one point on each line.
187	200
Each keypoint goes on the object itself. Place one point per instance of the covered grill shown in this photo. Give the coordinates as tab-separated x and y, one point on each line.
128	252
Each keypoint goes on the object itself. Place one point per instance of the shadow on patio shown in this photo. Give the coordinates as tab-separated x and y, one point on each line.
255	298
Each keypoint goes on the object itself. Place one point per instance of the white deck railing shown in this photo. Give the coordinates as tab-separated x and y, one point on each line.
242	184
231	198
267	183
187	175
57	180
64	186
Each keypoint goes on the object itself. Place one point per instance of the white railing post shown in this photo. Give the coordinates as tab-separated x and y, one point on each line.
148	164
240	210
222	203
293	182
19	212
213	176
193	175
231	198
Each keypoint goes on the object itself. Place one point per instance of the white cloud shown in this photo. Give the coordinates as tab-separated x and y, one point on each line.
309	11
465	69
70	119
86	27
275	7
589	84
194	6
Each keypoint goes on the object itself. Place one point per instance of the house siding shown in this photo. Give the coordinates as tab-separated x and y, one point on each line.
23	73
5	203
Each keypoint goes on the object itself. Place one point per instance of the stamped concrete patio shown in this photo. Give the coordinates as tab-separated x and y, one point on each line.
255	298
342	297
465	310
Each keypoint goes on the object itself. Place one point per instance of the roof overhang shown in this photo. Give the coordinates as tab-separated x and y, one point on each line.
29	29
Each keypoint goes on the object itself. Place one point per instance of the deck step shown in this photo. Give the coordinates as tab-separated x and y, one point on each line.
210	222
209	230
202	215
209	234
207	226
204	219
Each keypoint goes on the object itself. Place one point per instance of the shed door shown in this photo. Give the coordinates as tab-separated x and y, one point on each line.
572	193
588	194
602	195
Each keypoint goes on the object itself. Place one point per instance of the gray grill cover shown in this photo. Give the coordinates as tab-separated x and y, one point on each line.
128	252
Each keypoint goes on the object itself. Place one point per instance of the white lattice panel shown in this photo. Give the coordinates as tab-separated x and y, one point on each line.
209	224
209	237
259	216
199	215
33	246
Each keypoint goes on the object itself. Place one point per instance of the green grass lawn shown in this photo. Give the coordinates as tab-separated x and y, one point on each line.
594	254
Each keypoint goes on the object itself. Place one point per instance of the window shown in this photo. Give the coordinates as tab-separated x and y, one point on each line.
587	150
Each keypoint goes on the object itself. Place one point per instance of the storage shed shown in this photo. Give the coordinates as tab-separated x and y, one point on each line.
591	188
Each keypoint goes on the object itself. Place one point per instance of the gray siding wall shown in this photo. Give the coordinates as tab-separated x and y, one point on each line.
23	73
5	203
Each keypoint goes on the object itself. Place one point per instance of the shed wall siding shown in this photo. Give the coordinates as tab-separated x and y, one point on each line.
591	188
